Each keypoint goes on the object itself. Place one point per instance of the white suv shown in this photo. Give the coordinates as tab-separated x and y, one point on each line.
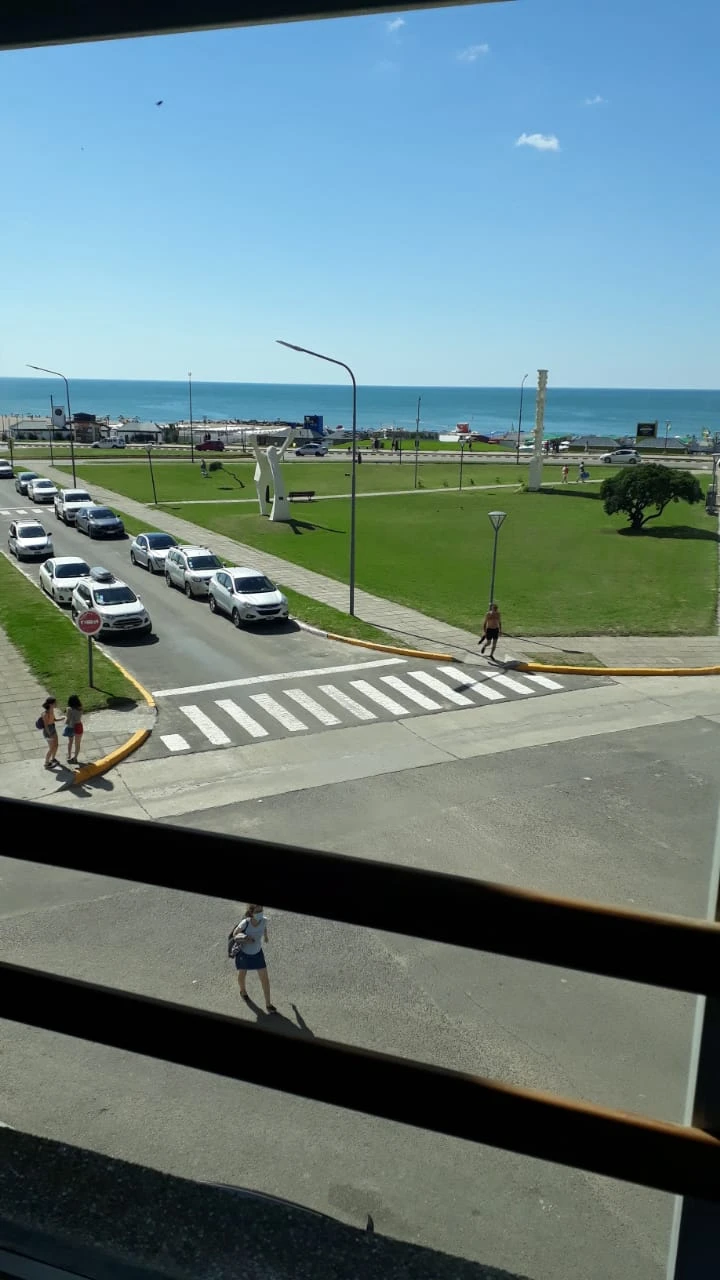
121	610
622	457
68	502
190	569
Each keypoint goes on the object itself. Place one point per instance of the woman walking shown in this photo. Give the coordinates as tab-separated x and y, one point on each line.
248	938
49	723
73	730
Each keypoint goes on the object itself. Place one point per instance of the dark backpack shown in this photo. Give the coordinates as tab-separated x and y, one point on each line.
39	723
234	945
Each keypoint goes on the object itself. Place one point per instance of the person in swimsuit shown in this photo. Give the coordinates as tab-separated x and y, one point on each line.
492	626
251	933
50	731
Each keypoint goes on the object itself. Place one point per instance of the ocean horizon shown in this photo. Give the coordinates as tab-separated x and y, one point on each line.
569	411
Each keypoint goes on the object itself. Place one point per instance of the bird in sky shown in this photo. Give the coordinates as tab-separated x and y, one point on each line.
159	104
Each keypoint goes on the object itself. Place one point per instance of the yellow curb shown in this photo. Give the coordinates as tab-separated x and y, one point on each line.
617	671
97	767
147	697
391	648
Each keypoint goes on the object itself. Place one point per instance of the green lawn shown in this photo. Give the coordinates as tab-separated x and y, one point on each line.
54	650
563	566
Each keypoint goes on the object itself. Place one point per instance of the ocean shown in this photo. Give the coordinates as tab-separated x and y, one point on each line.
487	409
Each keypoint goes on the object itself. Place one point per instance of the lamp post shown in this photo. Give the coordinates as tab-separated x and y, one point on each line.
152	475
54	373
522	392
496	518
192	444
353	469
667	428
52	431
462	455
417	438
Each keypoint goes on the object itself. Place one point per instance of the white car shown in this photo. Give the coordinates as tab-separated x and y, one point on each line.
105	443
122	612
151	550
28	540
68	502
246	595
60	576
6	471
41	490
190	569
310	450
622	457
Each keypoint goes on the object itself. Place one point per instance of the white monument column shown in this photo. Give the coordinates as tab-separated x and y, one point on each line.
535	480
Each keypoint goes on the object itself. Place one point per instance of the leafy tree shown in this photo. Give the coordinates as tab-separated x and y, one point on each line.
647	485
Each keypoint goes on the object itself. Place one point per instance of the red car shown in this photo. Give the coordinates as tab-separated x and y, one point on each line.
210	446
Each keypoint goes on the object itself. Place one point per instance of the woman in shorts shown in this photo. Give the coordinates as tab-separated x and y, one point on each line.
73	730
250	934
49	724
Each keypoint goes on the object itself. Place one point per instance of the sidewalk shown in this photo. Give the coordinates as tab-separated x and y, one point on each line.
415	629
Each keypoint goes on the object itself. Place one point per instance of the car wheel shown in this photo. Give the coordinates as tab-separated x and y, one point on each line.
168	580
132	558
188	591
212	603
237	621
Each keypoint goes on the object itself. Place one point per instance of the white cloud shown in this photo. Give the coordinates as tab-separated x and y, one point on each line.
394	25
473	52
540	141
597	101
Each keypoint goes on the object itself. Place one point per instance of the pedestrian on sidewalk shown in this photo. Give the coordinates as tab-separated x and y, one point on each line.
492	627
565	473
73	730
247	946
49	724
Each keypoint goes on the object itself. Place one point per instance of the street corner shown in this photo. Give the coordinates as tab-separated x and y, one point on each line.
29	779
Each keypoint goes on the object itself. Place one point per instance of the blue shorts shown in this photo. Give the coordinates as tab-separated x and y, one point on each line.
257	961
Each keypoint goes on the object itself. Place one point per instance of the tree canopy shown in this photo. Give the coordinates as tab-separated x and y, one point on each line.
643	491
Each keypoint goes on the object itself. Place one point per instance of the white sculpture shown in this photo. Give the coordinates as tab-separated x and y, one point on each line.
267	473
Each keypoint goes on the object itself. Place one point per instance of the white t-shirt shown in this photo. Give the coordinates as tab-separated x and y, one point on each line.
254	934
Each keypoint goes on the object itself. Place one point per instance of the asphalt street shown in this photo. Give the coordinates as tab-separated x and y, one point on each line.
627	816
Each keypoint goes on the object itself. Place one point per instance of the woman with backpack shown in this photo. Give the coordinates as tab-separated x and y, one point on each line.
246	950
48	722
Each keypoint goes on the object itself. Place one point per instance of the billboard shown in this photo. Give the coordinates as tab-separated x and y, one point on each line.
646	430
314	422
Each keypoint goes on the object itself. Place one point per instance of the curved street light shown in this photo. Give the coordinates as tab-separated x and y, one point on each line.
496	518
353	485
39	369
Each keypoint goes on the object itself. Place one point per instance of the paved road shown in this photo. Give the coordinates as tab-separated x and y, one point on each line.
627	816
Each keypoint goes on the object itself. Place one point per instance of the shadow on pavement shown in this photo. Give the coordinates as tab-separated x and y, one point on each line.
279	1023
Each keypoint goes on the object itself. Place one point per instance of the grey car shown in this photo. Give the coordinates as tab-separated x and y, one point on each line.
151	550
99	522
23	479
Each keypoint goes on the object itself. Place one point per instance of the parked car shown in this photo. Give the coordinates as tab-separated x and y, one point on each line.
622	457
151	550
310	449
28	540
122	612
22	480
6	471
68	501
190	569
246	595
59	577
41	490
210	446
99	522
112	443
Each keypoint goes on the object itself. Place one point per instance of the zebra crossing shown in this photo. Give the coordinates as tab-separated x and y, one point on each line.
267	707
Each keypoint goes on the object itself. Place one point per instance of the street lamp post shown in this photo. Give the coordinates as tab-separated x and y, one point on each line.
496	518
417	438
462	455
522	392
52	431
152	475
667	428
353	469
54	373
192	445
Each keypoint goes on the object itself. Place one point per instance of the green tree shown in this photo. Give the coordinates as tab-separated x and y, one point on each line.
647	485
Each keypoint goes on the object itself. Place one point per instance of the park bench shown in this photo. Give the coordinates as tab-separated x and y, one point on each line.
308	494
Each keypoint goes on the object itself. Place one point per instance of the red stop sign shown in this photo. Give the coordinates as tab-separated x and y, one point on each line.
89	622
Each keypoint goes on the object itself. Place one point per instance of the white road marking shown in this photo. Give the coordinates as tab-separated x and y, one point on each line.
402	686
281	675
4	513
542	681
312	707
349	704
382	699
174	742
278	712
206	726
450	694
515	685
477	686
20	511
241	717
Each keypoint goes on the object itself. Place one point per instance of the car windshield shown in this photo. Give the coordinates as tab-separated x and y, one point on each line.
253	586
204	562
114	595
77	495
77	569
31	531
160	541
102	513
44	484
28	475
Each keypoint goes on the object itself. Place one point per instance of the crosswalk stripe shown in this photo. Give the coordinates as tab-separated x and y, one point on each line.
312	707
515	685
377	695
20	511
349	704
478	686
401	686
4	513
173	741
451	695
278	712
241	717
543	681
206	726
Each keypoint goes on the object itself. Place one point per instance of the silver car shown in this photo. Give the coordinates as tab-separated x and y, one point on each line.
29	541
246	595
190	569
151	550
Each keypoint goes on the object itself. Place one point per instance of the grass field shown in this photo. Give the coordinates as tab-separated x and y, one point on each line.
54	650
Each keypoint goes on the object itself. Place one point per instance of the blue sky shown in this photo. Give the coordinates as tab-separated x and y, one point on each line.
356	186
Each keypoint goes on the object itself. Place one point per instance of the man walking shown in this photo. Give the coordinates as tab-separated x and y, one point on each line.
492	627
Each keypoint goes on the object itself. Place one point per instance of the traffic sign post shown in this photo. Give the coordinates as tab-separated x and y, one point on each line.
89	623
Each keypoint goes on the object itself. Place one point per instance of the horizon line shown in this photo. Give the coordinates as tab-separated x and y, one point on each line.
399	386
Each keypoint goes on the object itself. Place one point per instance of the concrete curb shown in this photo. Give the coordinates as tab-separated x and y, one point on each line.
136	740
380	648
614	671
